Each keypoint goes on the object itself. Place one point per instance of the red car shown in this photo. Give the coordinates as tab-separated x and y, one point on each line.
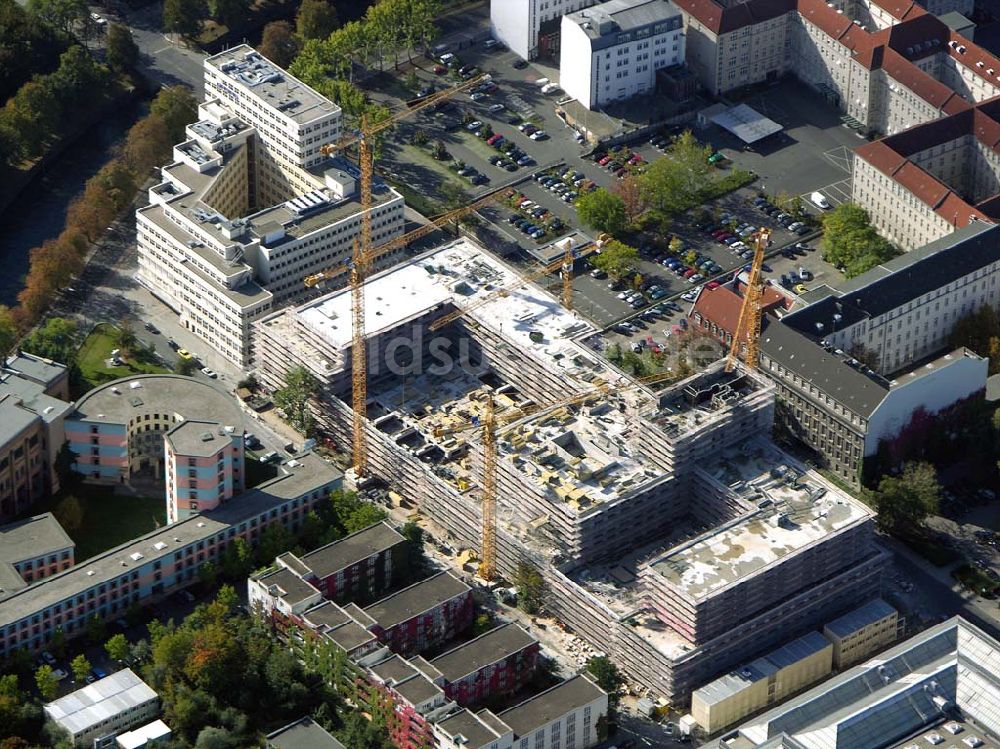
494	139
689	272
636	159
718	233
604	161
440	69
712	285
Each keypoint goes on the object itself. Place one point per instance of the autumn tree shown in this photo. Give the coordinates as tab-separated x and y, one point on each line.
316	19
69	513
279	44
62	14
80	667
147	144
8	331
631	195
980	331
122	51
228	11
47	683
851	242
616	259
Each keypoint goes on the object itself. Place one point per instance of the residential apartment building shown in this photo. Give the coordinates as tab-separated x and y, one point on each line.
31	550
497	662
563	716
250	206
34	394
95	714
204	467
359	567
766	681
152	566
859	633
855	364
530	28
939	683
612	51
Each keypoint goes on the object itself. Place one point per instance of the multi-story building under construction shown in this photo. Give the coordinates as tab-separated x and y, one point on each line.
672	534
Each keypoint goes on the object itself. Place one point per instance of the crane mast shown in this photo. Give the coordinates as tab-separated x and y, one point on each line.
751	311
488	565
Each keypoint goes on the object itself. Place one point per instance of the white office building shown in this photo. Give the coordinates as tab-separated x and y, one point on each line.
249	206
98	712
612	51
531	27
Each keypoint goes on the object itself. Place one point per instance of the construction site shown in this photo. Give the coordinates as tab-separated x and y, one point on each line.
671	533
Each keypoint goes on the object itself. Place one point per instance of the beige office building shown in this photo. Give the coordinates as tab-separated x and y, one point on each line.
859	633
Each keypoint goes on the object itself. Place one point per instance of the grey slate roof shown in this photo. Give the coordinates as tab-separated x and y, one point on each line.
551	704
625	15
33	537
351	549
830	373
489	647
902	279
416	599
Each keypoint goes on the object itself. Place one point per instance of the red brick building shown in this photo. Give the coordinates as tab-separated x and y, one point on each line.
716	311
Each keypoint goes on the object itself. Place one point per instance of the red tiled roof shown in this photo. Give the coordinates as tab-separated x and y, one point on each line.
973	55
828	20
924	185
986	127
723	20
941	130
958	212
880	156
922	84
708	12
901	9
720	305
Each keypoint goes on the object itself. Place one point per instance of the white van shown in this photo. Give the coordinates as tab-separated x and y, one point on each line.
819	200
549	88
542	82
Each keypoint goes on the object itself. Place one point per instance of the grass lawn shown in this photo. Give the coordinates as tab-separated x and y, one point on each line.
476	145
96	349
110	519
976	581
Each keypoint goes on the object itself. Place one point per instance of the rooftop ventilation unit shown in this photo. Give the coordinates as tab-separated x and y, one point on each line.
953	44
961	49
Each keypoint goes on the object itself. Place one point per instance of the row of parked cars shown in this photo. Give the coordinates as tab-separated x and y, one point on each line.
534	215
654	314
779	216
564	185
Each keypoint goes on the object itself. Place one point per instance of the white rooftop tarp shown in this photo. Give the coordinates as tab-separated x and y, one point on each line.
747	124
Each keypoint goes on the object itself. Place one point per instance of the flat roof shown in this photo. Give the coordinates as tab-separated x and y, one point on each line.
138	738
551	704
746	123
90	705
459	273
337	625
304	733
416	599
160	393
351	549
14	417
296	478
272	86
795	510
490	647
861	617
615	17
200	438
33	398
293	588
33	537
34	367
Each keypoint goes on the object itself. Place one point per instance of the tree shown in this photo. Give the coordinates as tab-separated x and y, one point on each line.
293	398
608	677
228	11
8	331
69	512
616	259
316	19
96	630
47	683
530	587
851	242
178	108
602	211
58	644
904	501
56	340
80	667
237	559
274	541
147	144
186	367
122	51
980	331
125	337
216	738
630	192
184	16
62	14
117	648
279	44
208	574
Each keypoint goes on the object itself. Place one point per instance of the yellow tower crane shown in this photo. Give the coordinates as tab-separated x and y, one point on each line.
751	311
490	422
361	259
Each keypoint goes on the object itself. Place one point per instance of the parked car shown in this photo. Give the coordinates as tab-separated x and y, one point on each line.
211	374
519	64
474	126
184	354
538	135
494	108
801	288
